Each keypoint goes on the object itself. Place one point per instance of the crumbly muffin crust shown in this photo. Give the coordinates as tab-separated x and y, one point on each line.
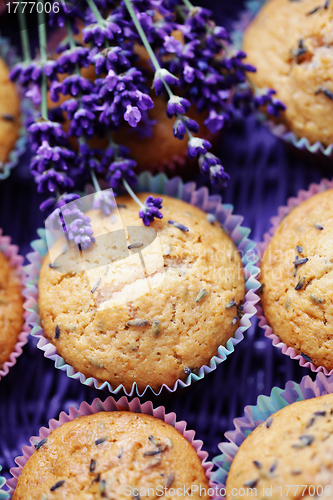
149	336
287	456
290	43
11	309
9	113
107	455
297	296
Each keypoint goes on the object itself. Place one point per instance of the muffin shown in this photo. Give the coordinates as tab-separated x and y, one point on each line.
289	455
296	277
11	309
123	323
290	44
116	454
9	114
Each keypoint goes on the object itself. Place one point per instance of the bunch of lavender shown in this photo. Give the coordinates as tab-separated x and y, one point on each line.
192	63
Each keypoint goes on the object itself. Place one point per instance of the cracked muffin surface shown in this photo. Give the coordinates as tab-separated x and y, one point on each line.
116	324
116	454
289	455
291	45
297	279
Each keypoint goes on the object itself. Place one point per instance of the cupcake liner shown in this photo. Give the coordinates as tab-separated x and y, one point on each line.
110	404
279	130
8	54
256	414
263	323
16	261
210	204
3	494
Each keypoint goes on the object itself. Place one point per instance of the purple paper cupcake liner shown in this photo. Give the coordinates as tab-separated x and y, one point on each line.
275	221
16	261
8	54
109	405
210	204
255	415
302	144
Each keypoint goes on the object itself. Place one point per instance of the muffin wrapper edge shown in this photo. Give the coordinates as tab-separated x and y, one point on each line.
110	404
256	414
302	195
16	261
279	130
210	204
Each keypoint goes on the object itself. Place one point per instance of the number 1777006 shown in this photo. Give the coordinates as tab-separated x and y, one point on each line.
30	7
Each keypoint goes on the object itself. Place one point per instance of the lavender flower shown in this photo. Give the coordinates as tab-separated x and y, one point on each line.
179	129
151	210
132	115
177	106
72	58
119	169
197	146
163	75
75	84
218	177
103	200
74	224
45	130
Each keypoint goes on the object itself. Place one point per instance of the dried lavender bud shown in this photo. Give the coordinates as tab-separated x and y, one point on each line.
120	453
315	299
156	327
153	440
138	322
56	332
170	480
310	422
96	285
92	466
8	118
296	472
304	441
57	485
328	94
269	422
320	413
101	440
251	483
231	304
306	357
201	295
299	249
135	245
314	10
187	370
102	487
178	225
319	226
257	464
326	4
273	466
301	283
234	320
151	453
40	443
299	262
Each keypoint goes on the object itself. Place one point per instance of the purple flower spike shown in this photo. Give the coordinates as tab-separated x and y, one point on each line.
75	84
206	161
214	122
68	60
218	177
177	106
76	225
103	200
192	125
172	45
121	168
34	94
132	115
151	210
197	146
179	129
163	75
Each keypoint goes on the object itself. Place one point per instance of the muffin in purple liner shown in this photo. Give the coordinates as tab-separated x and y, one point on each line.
289	448
111	459
246	249
295	306
288	42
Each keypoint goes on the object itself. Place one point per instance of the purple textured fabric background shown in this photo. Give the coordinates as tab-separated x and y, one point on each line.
263	175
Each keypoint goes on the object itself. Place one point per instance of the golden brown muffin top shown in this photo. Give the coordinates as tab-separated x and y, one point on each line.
111	455
9	113
11	309
292	448
146	330
290	43
296	274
